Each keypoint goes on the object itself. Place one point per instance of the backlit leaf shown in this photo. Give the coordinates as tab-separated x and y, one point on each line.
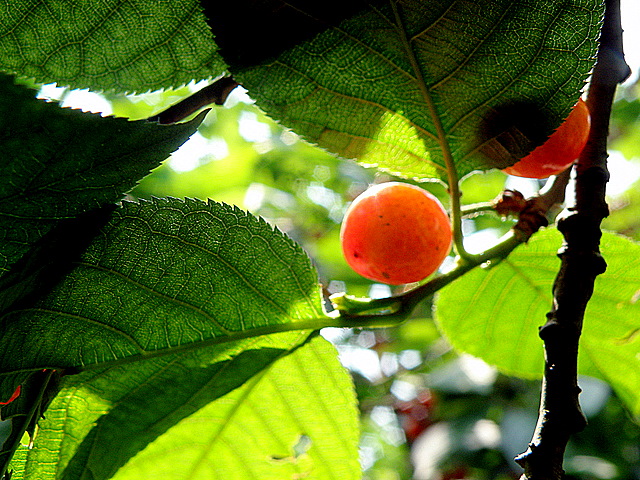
163	313
128	46
165	276
402	85
495	313
101	418
297	419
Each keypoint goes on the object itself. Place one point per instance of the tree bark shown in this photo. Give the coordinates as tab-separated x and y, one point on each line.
560	415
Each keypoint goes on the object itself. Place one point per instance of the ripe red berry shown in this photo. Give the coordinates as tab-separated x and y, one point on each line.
395	233
561	148
416	415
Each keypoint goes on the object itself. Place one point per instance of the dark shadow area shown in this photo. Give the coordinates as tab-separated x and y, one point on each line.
511	131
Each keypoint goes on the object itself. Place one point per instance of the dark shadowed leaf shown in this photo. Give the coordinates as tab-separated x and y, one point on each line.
59	163
251	32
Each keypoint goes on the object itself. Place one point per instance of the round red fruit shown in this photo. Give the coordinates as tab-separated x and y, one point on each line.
395	233
560	150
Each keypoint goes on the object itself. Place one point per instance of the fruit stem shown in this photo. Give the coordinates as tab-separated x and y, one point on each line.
476	208
389	311
452	173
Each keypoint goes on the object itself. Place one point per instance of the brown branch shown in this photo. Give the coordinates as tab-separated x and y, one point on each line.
560	415
215	93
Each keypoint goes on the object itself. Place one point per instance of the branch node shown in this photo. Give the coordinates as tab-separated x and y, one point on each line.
613	66
532	217
509	202
591	262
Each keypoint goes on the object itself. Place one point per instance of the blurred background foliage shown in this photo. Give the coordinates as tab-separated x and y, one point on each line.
427	412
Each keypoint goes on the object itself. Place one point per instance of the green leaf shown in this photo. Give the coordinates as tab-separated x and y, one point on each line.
103	417
401	85
610	342
162	277
298	419
131	46
495	313
169	295
59	163
23	413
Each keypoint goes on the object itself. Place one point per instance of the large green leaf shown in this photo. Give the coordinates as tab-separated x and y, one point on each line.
168	289
298	419
495	313
399	85
161	277
101	418
137	45
59	163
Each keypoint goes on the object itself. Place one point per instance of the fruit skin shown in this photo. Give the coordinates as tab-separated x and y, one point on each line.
561	148
395	233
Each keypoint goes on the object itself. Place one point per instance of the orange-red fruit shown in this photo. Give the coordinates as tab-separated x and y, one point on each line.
561	148
395	233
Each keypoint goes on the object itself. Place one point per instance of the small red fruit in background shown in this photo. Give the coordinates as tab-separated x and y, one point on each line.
416	415
395	233
561	148
15	395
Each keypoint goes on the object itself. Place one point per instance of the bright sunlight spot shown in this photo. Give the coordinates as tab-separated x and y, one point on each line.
430	449
252	129
404	391
196	151
477	370
630	14
361	360
238	95
484	434
623	173
83	99
596	467
465	374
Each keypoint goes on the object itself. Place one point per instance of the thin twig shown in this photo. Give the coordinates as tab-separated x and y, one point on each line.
215	93
560	414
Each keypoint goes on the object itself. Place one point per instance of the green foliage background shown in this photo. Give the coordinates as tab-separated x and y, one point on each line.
182	328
